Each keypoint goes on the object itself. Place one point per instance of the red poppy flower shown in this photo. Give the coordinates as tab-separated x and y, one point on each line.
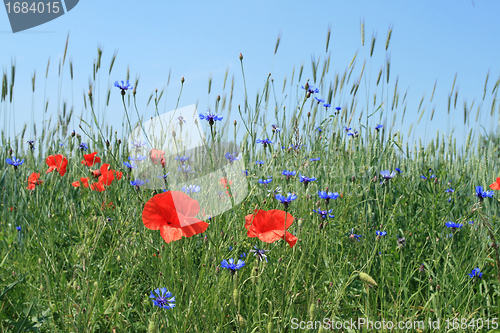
496	185
99	186
76	184
85	181
58	163
173	213
224	182
158	155
91	159
33	181
96	173
270	226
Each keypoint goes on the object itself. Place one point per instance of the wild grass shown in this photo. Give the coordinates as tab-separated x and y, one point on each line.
84	262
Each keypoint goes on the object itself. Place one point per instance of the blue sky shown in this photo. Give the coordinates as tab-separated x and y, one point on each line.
431	40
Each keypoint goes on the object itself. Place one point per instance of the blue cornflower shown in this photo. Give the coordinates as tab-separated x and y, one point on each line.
450	190
191	189
245	172
264	142
309	89
318	129
211	117
123	86
327	105
229	264
306	180
130	165
347	129
137	144
32	143
18	228
164	176
378	127
83	146
265	181
353	237
138	182
380	233
15	162
471	222
181	120
232	157
286	200
181	159
476	272
185	168
387	175
328	195
275	128
288	174
338	108
354	134
423	177
323	214
399	170
261	162
163	298
137	158
483	194
453	225
261	254
243	255
319	100
314	159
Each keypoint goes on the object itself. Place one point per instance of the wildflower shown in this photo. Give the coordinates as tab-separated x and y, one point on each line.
90	159
261	162
496	185
185	168
18	228
96	173
232	157
108	175
15	162
163	298
211	118
476	272
401	242
323	214
453	225
422	268
378	127
314	159
181	159
137	158
483	194
138	182
181	120
123	86
286	200
353	237
269	226
318	129
338	108
387	175
164	176
245	172
261	254
423	177
130	165
275	128
158	156
264	142
288	174
319	100
399	170
173	213
328	195
347	129
471	222
33	181
243	255
380	233
85	182
191	189
31	144
265	181
274	192
83	146
58	163
354	134
306	180
309	89
327	105
229	264
138	144
450	190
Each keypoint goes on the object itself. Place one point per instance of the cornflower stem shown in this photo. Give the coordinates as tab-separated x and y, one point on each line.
484	220
126	113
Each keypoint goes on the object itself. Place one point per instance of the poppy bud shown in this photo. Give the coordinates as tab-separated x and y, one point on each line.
90	93
73	134
241	56
306	87
119	141
10	152
107	143
182	79
173	134
218	98
308	94
235	123
134	91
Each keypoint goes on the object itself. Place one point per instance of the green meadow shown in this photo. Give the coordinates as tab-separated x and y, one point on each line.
418	246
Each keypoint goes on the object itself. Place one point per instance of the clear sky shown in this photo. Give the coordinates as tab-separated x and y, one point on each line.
431	41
